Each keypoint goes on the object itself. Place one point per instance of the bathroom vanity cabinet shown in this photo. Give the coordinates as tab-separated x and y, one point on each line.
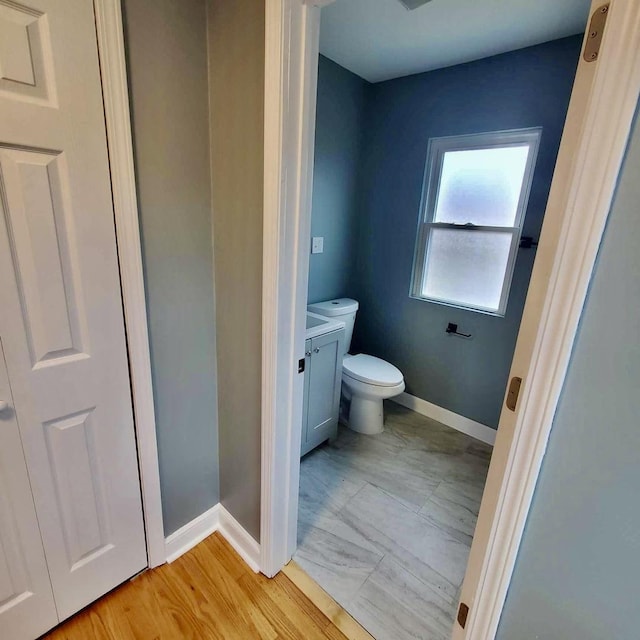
322	380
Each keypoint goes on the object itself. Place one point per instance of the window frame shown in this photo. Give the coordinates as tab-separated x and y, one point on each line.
430	190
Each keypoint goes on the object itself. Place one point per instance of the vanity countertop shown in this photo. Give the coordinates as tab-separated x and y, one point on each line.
319	325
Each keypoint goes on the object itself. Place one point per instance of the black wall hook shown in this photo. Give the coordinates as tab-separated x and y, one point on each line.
452	329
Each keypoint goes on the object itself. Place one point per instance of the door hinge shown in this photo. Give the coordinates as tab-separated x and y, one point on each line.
514	392
301	365
463	612
594	33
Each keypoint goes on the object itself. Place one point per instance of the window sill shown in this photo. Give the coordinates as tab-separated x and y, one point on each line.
486	312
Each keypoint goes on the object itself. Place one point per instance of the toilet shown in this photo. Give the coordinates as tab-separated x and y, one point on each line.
366	380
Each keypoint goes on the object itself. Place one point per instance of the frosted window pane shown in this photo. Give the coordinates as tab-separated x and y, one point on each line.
481	186
467	267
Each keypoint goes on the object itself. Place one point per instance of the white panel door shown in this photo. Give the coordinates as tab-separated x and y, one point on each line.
61	320
26	601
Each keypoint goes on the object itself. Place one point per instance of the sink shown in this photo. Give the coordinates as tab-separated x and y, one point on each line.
313	322
319	325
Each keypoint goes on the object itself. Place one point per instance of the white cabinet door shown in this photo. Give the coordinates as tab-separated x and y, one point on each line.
323	381
26	602
61	319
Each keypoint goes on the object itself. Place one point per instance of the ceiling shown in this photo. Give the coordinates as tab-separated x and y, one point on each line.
379	39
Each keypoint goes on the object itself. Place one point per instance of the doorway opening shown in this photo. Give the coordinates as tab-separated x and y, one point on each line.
433	164
583	180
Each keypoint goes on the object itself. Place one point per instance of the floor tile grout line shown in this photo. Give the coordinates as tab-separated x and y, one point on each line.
460	506
350	600
402	564
422	506
426	584
403	568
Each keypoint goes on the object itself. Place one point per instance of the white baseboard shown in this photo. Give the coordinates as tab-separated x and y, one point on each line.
451	419
246	547
215	519
192	533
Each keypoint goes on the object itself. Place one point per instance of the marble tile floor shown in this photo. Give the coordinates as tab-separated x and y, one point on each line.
385	522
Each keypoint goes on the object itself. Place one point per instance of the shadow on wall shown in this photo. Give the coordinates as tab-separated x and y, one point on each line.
167	72
367	190
340	133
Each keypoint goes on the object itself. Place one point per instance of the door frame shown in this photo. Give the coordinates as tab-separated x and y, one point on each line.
115	92
582	202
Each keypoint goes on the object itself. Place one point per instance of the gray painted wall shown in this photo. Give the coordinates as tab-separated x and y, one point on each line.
167	58
578	568
236	79
336	194
525	88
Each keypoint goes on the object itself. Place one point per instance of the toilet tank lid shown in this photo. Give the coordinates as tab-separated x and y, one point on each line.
335	307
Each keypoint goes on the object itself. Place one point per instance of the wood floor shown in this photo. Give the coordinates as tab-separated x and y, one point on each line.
207	593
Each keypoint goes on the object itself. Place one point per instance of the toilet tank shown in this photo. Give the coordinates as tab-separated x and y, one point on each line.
343	309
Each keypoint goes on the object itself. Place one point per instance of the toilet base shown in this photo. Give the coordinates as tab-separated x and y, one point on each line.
366	415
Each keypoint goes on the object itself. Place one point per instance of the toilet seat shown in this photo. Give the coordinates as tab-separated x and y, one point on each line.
371	370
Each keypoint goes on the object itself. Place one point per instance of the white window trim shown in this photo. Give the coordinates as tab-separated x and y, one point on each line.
433	172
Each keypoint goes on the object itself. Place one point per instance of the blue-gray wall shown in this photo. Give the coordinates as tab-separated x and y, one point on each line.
577	573
339	135
167	60
525	88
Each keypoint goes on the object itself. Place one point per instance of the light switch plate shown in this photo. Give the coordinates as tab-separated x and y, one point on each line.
317	244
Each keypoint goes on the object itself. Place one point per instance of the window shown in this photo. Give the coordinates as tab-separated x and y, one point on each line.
474	199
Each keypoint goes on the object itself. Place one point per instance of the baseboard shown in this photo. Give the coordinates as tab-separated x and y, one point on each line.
246	547
451	419
215	519
194	532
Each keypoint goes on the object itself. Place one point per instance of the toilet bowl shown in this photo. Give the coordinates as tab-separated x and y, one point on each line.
366	380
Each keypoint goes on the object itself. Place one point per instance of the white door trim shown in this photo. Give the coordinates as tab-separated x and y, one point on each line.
290	116
291	55
113	70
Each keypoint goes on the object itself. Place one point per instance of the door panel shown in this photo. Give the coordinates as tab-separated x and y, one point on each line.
78	486
62	323
34	183
325	376
27	608
25	54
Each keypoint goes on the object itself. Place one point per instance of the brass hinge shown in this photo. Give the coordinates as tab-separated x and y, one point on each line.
513	393
463	612
594	34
